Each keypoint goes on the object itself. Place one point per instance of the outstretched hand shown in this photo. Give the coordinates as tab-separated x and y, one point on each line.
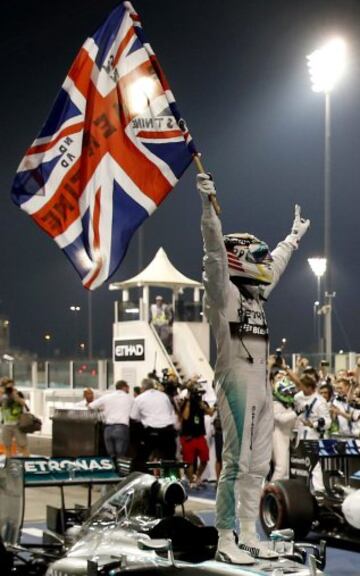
300	225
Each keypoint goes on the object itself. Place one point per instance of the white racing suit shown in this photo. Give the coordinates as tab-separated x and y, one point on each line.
346	427
312	408
284	422
243	390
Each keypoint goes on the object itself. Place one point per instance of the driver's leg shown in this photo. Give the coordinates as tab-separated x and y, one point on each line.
231	399
255	462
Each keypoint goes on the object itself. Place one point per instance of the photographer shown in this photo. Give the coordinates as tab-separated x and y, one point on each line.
168	383
313	419
12	406
192	434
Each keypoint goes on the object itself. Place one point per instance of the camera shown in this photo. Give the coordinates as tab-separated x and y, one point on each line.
321	423
153	375
321	426
165	375
9	395
278	362
164	382
169	384
324	363
196	390
354	402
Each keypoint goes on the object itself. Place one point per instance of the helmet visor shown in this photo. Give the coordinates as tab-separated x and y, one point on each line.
258	253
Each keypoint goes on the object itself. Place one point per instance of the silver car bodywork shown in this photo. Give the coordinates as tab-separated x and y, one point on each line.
135	529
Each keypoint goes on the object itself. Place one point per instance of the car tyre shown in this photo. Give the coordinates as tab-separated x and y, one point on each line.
6	560
287	504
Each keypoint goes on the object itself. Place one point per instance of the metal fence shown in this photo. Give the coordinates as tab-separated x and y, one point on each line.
338	361
96	374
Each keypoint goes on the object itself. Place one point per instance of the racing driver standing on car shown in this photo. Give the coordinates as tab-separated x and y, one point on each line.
239	273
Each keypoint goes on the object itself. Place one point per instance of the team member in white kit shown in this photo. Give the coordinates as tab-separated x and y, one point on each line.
313	420
284	422
239	273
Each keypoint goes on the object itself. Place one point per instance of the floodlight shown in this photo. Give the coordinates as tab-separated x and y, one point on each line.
318	266
327	65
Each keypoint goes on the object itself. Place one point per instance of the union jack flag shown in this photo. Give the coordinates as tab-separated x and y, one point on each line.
111	150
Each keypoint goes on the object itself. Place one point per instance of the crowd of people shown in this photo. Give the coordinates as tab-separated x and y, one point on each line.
311	403
158	420
161	419
164	419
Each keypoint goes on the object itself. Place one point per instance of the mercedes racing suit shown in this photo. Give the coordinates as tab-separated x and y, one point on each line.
284	422
243	390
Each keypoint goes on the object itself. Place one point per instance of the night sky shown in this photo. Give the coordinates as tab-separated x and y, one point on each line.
238	71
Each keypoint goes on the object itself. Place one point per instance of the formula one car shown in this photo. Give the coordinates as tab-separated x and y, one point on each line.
140	528
333	513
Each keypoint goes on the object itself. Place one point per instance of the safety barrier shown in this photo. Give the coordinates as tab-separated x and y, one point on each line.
96	374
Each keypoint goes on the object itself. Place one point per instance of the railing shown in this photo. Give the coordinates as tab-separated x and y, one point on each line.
172	365
96	374
339	361
185	311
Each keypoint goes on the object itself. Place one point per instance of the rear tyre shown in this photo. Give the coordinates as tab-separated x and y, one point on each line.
287	504
6	560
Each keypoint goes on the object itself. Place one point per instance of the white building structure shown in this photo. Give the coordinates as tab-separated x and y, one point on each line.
137	348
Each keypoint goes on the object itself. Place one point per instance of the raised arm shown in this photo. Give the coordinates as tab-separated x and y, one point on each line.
216	272
284	249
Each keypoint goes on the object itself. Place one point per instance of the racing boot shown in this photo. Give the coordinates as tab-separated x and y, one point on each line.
227	550
251	543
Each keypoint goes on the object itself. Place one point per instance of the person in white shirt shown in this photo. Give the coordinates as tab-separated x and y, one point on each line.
342	410
313	412
313	420
116	408
155	412
88	397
